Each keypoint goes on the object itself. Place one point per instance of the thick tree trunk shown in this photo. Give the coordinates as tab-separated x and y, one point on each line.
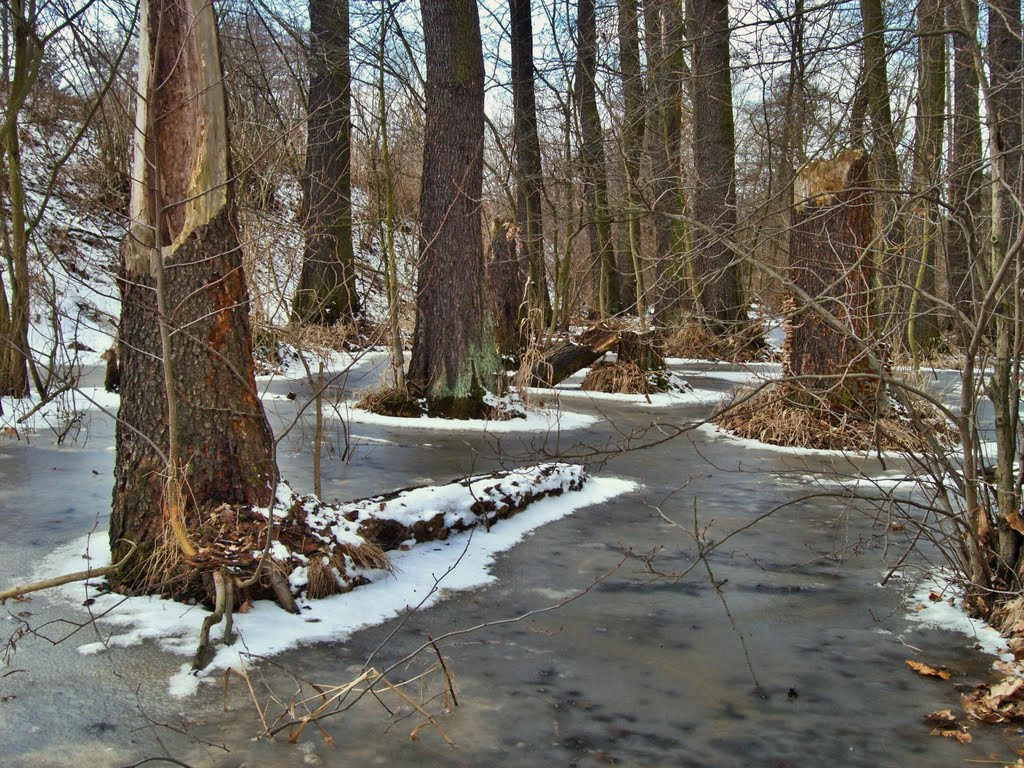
506	287
327	285
603	265
182	204
529	176
965	171
829	262
663	25
453	356
714	162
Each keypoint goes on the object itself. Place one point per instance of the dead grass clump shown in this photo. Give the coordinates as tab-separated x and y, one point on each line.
692	339
623	377
392	401
779	415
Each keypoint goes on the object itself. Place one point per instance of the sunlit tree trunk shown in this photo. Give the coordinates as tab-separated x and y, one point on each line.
633	125
191	432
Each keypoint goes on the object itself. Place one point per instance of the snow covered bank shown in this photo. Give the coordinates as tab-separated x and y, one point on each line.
423	574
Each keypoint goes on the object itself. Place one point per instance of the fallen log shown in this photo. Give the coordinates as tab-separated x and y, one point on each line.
562	361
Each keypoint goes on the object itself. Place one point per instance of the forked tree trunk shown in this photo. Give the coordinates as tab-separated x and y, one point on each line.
830	263
327	285
182	203
453	355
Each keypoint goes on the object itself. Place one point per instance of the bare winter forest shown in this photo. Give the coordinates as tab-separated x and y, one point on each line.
528	383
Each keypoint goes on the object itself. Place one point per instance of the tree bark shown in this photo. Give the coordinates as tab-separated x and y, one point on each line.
714	162
326	293
453	355
595	182
830	263
182	204
529	175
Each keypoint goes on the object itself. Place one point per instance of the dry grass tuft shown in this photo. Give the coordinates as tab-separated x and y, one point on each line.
692	339
321	578
624	378
779	415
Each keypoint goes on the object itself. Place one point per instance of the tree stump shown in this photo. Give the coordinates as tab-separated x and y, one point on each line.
640	349
830	262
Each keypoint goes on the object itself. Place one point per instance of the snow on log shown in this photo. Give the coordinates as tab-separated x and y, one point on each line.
321	549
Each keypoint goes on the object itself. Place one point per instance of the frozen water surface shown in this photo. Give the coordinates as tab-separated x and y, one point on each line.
639	671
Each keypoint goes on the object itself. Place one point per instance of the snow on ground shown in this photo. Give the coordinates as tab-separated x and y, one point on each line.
938	603
59	412
537	420
423	575
656	400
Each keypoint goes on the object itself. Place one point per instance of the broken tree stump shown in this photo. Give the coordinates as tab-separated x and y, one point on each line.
830	262
562	361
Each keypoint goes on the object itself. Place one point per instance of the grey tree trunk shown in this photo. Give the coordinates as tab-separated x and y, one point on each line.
453	354
507	289
326	293
183	221
633	125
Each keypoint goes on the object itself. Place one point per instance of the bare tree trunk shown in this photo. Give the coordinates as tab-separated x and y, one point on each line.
595	183
327	285
965	172
529	175
183	220
829	262
923	321
453	355
632	142
889	262
14	315
663	25
714	162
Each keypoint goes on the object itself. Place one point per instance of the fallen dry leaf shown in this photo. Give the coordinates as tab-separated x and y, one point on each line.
929	671
941	717
1016	522
999	703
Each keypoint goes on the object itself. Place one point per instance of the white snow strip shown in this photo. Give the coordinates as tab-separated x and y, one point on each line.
537	420
461	562
656	400
940	614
